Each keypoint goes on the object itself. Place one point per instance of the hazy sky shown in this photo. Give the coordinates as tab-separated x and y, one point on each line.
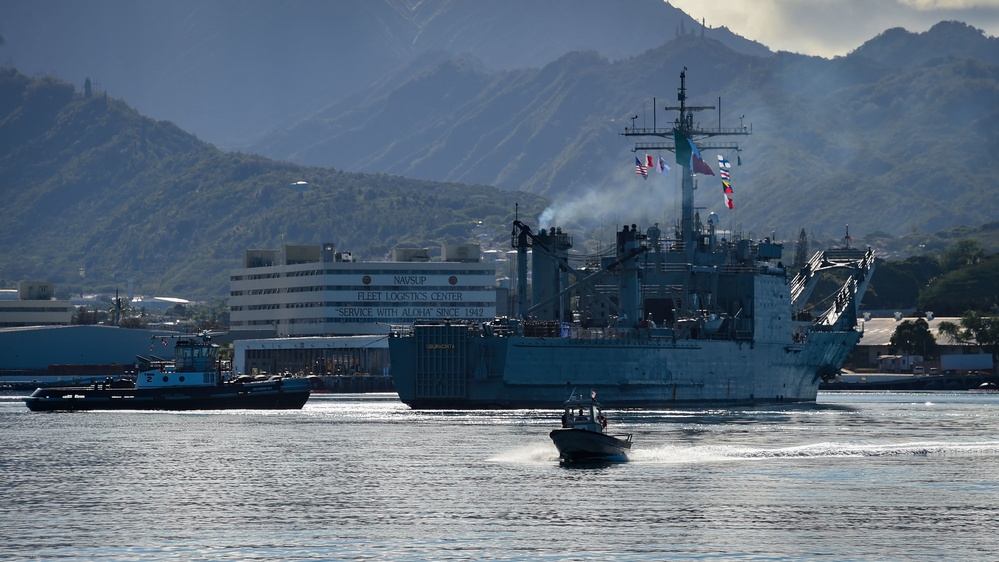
829	28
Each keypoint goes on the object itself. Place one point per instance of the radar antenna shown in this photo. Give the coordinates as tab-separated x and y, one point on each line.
684	124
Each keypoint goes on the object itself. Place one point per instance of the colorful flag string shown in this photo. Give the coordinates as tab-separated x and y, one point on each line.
724	167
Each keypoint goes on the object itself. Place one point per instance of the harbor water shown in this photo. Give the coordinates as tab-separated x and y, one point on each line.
858	476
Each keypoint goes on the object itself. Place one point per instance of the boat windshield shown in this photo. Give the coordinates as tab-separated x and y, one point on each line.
196	357
584	414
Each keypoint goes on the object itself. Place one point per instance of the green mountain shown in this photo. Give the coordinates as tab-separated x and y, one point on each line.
895	140
96	195
877	139
231	70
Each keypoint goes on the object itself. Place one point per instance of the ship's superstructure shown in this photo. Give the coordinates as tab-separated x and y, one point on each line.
696	316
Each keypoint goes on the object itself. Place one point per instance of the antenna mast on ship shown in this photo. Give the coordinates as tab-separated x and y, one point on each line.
684	123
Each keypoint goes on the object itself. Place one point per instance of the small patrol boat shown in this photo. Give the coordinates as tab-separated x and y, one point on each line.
583	435
191	381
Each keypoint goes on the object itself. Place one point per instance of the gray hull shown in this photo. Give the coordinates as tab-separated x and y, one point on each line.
460	370
583	445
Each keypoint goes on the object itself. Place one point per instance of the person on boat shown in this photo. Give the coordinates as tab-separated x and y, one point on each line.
565	420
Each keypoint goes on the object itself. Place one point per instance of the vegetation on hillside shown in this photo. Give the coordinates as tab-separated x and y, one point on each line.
870	139
98	196
95	196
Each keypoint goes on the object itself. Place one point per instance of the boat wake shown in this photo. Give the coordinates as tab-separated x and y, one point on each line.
537	453
679	454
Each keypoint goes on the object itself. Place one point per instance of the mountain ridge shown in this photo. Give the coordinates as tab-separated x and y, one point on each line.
886	145
231	70
114	196
848	122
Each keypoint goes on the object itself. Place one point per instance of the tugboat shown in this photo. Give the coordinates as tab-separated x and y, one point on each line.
191	381
583	436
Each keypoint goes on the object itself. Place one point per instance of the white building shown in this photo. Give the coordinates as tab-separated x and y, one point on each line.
35	306
317	290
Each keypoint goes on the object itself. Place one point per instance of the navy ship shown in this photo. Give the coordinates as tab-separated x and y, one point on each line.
699	317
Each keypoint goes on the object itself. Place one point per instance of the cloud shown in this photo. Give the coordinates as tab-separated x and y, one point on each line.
929	5
829	28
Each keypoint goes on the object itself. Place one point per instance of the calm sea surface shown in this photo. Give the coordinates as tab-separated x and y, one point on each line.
882	476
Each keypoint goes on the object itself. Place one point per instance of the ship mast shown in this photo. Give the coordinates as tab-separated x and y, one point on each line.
684	123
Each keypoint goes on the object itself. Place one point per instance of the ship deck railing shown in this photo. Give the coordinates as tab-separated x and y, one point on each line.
550	329
729	268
